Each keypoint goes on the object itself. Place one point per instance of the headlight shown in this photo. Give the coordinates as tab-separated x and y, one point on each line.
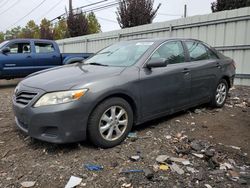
60	97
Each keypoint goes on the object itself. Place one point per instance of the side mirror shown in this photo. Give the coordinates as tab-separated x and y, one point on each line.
156	62
5	50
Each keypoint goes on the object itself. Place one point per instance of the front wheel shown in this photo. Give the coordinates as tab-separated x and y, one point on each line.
110	122
220	94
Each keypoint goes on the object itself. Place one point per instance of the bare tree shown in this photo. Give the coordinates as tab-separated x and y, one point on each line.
136	12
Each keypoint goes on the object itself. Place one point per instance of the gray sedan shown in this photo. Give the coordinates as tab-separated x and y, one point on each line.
123	85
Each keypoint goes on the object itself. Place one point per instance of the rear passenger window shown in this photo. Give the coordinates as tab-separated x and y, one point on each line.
197	51
44	47
172	51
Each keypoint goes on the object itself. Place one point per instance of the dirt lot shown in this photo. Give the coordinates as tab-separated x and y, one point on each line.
220	136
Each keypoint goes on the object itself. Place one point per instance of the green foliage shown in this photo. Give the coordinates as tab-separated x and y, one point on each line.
13	33
75	25
136	12
31	30
61	30
1	36
93	24
46	29
221	5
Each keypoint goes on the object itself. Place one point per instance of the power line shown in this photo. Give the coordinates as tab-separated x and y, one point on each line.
11	6
79	8
27	14
52	8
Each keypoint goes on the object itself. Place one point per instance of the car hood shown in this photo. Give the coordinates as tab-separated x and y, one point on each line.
69	76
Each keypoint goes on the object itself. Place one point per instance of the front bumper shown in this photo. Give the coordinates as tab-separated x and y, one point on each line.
64	123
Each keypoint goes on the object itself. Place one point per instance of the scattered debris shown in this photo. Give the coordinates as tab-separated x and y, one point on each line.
148	174
132	135
130	171
192	170
180	160
175	168
92	167
135	158
208	186
198	155
168	137
235	147
162	158
73	181
28	184
126	185
163	167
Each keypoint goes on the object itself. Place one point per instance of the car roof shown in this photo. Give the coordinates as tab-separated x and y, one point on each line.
28	39
160	39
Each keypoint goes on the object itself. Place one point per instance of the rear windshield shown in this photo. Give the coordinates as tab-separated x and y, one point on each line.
121	54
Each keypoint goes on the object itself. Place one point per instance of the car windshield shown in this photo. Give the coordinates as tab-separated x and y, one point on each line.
3	43
122	54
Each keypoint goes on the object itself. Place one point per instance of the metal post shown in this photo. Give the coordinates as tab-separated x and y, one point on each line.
185	11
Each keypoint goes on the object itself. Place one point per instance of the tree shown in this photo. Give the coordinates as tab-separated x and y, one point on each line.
31	30
93	24
61	30
1	36
136	12
46	29
221	5
13	33
77	24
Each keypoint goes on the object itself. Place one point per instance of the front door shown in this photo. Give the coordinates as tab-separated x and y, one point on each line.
18	60
165	89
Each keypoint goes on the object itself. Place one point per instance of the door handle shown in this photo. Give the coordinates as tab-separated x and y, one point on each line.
54	56
185	70
28	56
10	65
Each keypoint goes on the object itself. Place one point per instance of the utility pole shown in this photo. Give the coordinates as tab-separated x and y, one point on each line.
185	11
70	5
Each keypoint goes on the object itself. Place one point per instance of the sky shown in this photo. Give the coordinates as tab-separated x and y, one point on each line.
18	12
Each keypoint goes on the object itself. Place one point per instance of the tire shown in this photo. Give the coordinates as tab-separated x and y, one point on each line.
220	94
109	116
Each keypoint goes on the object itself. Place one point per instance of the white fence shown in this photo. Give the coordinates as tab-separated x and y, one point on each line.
228	31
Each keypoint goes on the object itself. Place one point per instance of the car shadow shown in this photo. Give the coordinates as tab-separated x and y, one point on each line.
153	123
6	84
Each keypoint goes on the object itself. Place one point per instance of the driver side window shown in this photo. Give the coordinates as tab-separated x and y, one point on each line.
172	51
19	48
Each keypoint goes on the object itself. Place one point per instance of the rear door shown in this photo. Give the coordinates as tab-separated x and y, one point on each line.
165	89
204	69
46	55
18	61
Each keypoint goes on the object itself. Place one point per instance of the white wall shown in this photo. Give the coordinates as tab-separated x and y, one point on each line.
228	31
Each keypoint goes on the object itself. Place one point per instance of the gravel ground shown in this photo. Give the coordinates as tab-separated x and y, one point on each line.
220	137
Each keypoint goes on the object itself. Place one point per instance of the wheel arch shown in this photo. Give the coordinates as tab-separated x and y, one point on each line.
227	80
126	97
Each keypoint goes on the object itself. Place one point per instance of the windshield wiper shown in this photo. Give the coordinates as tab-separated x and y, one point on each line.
98	64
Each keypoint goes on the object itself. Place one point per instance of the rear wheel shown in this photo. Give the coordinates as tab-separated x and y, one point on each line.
220	94
110	122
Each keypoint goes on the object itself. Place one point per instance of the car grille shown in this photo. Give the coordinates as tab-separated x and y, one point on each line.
24	98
